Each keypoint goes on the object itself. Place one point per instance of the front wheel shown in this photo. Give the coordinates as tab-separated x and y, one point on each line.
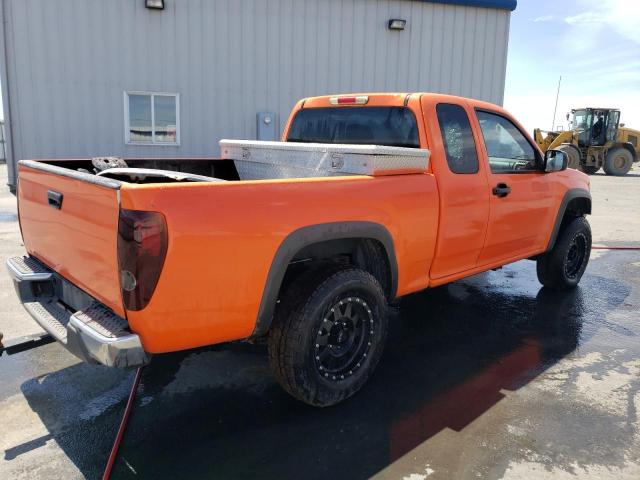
562	267
328	334
618	161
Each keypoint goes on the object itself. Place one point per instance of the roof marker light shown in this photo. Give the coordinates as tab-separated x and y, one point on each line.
357	100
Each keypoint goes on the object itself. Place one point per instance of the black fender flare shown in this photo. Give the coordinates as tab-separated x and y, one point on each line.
570	195
309	235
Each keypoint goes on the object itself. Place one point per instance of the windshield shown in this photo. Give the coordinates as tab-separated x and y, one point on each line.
581	119
391	126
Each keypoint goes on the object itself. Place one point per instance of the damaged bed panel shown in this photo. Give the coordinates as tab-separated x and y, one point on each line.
116	170
152	175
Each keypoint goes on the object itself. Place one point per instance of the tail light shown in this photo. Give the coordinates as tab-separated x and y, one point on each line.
142	247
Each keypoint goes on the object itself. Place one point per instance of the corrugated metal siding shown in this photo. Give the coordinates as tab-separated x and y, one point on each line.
69	61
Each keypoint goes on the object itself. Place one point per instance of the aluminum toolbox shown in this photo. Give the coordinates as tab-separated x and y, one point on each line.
256	160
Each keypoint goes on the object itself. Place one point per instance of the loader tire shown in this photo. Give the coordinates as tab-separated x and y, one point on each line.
618	162
328	334
573	154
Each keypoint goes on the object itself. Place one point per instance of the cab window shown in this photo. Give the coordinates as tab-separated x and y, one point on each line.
507	148
459	145
390	126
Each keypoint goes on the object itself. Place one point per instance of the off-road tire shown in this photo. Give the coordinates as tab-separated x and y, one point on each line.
558	268
573	155
301	316
618	162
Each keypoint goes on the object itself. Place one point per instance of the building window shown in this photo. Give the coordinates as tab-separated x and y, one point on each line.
152	118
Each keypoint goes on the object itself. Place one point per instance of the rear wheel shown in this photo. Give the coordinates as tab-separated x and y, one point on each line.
328	334
562	267
618	161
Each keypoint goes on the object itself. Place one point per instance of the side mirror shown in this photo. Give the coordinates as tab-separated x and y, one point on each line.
555	161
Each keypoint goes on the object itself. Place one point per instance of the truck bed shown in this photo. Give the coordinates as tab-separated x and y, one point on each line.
256	160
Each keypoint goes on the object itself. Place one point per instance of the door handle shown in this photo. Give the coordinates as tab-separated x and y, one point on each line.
55	199
501	190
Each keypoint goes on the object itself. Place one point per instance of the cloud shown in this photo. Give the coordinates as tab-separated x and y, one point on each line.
585	18
543	18
620	16
624	17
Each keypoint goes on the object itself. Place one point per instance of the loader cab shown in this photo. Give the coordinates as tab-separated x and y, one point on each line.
595	127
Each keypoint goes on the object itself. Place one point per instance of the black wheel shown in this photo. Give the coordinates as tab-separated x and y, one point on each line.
328	334
589	170
618	161
563	266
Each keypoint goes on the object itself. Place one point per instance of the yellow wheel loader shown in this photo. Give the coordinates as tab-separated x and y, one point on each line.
594	141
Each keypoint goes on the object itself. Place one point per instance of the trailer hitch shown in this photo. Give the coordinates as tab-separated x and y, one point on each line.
27	342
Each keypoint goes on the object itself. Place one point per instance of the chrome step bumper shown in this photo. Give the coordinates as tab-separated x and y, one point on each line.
85	327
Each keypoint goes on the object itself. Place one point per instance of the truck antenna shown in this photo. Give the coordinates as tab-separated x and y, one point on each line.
556	107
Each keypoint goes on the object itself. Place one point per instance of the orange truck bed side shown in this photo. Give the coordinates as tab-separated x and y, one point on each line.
223	238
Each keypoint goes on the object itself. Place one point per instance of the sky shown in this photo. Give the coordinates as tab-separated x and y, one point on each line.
593	44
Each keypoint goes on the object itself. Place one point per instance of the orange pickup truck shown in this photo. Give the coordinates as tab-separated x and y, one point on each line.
368	197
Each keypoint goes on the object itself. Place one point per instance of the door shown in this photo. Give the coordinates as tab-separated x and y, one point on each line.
612	125
462	184
521	194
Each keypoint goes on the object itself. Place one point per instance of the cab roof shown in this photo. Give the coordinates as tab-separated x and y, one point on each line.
594	108
386	99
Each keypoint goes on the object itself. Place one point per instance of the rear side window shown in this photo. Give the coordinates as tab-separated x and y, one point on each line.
459	144
391	126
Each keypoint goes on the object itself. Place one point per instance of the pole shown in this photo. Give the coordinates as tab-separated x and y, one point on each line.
556	107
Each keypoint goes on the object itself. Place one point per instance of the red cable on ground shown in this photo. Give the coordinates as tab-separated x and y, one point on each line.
603	247
123	425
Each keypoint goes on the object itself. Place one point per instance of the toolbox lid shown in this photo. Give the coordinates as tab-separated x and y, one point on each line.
291	159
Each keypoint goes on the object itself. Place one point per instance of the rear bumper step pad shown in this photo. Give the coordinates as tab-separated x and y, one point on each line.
27	268
95	334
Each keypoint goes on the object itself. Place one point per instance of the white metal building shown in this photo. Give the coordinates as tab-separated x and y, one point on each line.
83	78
